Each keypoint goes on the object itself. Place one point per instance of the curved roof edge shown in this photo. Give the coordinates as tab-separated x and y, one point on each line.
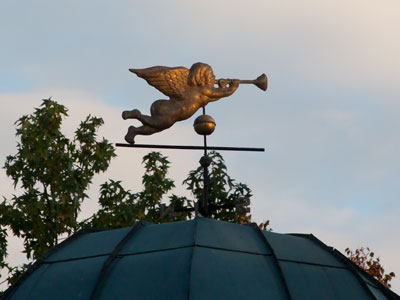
289	257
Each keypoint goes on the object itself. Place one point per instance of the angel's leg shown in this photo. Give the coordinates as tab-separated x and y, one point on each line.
142	130
131	114
154	121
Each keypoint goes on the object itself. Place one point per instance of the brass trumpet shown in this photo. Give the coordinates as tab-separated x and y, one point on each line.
261	82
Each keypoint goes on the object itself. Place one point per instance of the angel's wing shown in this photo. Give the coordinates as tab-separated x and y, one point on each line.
170	81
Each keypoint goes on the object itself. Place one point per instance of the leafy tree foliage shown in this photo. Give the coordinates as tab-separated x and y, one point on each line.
53	173
229	200
3	248
120	207
265	226
366	260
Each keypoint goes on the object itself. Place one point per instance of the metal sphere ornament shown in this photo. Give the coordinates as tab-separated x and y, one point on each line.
204	125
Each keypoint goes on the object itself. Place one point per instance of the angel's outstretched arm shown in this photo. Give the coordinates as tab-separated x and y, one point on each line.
216	93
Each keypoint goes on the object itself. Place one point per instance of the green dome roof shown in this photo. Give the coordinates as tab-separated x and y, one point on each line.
197	259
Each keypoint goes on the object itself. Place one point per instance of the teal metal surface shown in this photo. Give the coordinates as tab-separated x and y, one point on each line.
373	287
235	275
197	259
218	234
64	280
90	244
377	293
154	237
153	275
299	249
306	281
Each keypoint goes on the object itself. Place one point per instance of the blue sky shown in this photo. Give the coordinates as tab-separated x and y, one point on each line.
329	121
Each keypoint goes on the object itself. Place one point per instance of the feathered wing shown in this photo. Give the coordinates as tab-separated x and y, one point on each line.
169	81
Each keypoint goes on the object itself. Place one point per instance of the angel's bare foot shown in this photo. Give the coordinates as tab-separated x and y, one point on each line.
130	136
131	114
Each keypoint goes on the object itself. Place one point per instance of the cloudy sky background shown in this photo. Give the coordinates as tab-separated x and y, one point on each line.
329	121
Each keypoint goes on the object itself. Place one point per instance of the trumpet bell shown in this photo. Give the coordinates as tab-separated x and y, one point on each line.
261	82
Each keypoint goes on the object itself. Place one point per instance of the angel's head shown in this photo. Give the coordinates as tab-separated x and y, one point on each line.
201	75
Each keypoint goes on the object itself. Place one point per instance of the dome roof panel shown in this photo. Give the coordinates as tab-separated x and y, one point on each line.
221	274
300	248
308	281
87	244
225	235
74	279
153	275
154	237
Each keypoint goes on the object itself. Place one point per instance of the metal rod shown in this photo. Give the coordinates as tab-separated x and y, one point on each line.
205	163
246	81
206	207
206	210
205	136
205	145
241	81
181	147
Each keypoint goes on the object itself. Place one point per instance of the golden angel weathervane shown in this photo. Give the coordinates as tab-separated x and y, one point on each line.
188	91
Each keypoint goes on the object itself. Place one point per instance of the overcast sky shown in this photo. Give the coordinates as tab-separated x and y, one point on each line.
329	121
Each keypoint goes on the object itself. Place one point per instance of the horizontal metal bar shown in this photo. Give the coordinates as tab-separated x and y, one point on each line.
179	147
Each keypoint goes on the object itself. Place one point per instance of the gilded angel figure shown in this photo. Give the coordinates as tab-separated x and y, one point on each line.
188	91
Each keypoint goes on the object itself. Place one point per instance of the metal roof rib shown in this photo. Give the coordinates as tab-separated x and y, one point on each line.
10	291
350	267
191	258
108	263
262	236
387	292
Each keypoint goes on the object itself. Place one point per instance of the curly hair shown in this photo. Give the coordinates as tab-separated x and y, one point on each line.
201	74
